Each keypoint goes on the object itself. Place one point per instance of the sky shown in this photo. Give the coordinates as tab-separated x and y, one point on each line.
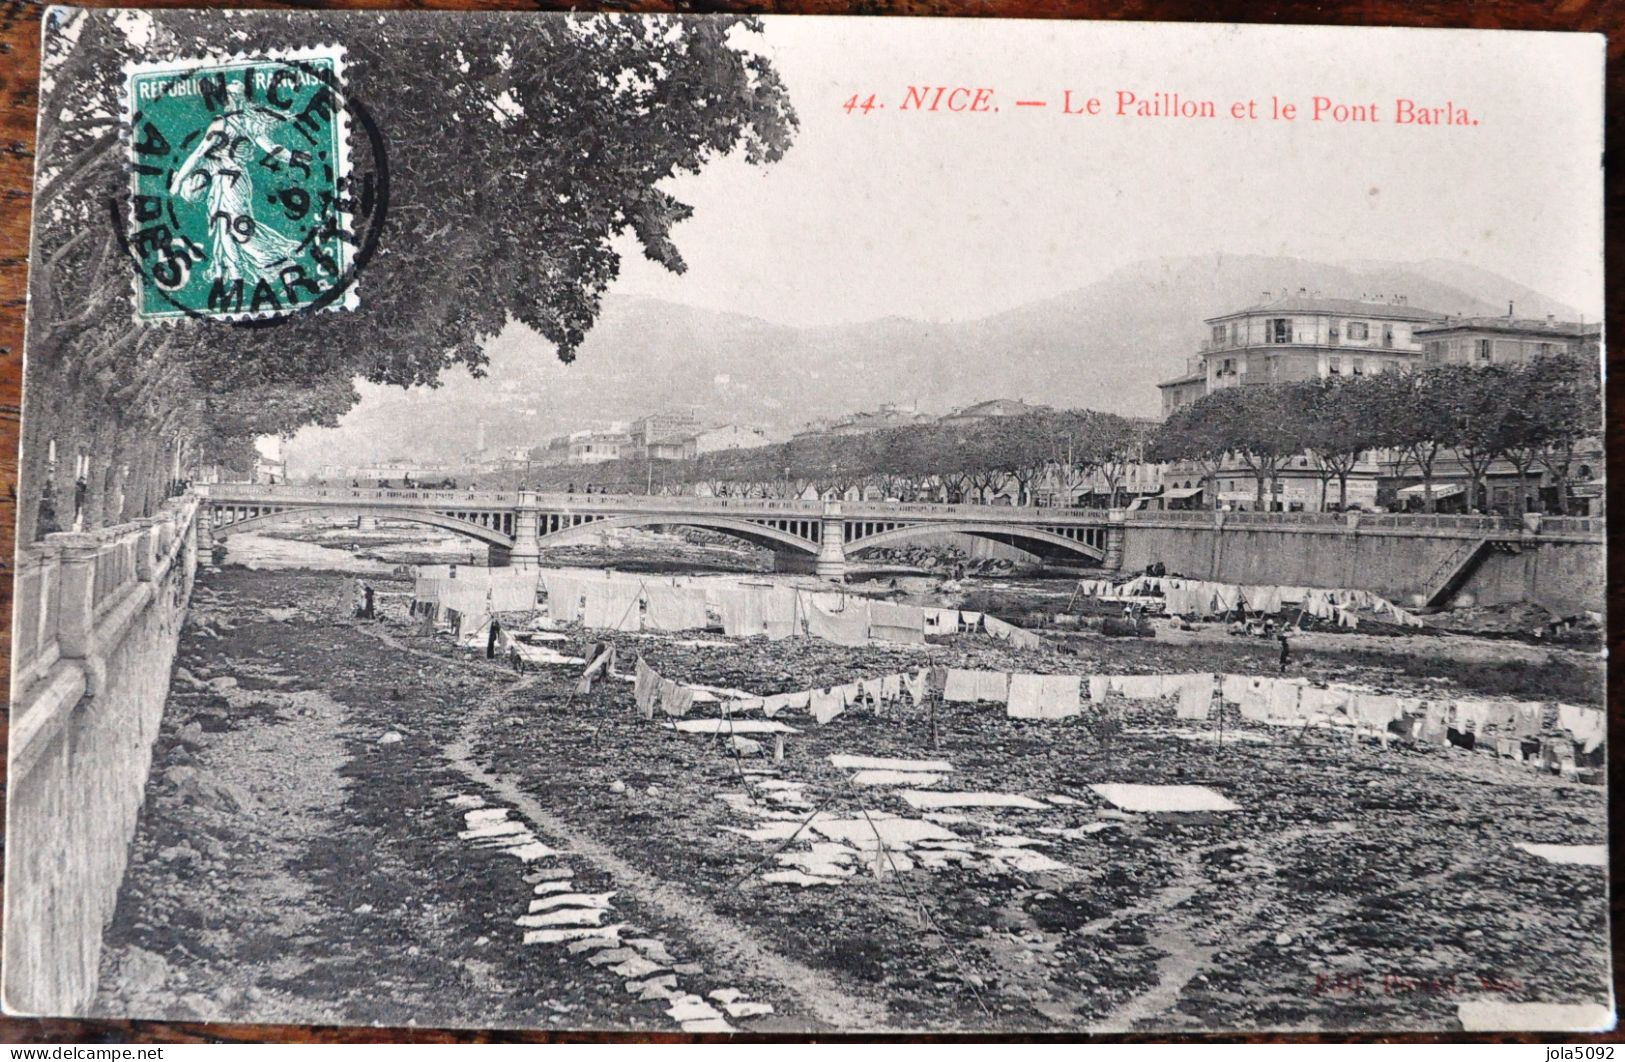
947	216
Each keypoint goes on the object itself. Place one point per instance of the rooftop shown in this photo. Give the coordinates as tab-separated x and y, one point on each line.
996	407
1394	307
1190	377
1549	326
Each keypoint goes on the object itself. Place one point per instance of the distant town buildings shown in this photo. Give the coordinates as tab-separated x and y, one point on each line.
989	410
663	436
728	437
397	471
889	415
596	447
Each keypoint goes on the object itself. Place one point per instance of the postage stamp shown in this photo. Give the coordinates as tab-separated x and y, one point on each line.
241	201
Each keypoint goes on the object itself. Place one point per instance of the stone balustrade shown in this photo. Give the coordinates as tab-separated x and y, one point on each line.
97	620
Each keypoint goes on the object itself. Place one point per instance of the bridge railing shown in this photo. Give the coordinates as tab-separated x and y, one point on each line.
677	503
1574	525
1439	522
248	492
1173	516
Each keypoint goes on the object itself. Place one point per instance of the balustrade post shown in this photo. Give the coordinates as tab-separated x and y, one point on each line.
146	548
76	585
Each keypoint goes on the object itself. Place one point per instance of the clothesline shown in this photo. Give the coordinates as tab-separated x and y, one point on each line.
1204	598
1265	700
616	602
652	690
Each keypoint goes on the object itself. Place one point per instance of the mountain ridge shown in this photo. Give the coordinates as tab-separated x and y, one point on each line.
1104	345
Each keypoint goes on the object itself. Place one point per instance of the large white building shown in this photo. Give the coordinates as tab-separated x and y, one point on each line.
1300	336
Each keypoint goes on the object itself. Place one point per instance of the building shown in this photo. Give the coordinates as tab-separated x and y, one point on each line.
663	436
1505	340
990	410
1185	388
594	447
1303	336
727	437
889	415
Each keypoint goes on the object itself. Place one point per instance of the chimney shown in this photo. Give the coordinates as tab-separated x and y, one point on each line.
1509	309
1551	320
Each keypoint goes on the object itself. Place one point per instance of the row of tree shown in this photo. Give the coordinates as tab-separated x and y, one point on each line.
1532	416
1059	449
509	184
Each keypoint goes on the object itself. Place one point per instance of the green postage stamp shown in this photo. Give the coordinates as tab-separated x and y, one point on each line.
241	200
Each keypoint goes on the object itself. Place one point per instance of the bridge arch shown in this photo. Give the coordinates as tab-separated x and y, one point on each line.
756	534
350	512
1034	540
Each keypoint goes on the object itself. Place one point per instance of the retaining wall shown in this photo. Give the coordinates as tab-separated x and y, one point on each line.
96	623
1560	564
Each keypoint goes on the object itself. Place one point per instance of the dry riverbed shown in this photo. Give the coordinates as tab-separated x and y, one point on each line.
295	862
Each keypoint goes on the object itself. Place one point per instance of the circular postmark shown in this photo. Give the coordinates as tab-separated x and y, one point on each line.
246	202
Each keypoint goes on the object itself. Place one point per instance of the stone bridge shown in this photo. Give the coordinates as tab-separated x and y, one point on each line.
803	535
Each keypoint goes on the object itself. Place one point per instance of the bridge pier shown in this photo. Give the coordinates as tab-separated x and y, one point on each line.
366	523
498	556
831	561
527	551
1113	560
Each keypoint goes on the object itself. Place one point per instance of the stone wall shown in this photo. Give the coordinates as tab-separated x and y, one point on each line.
97	620
1558	565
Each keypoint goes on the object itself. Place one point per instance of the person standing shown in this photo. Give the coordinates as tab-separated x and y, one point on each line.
1286	647
366	608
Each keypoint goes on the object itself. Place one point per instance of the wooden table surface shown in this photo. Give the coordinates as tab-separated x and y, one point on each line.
19	68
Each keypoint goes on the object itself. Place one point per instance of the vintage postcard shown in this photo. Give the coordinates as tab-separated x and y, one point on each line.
811	525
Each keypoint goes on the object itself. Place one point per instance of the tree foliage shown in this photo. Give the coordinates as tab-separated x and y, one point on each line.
518	148
1525	414
925	462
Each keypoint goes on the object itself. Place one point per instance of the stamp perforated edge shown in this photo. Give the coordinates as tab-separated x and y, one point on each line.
333	53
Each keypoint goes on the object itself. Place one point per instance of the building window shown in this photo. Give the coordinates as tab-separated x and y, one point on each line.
1331	336
1218	333
1482	349
1334	366
1388	335
1359	366
1278	330
1235	333
1391	365
1359	330
1545	349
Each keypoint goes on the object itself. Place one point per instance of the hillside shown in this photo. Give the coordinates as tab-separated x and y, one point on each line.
1103	345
